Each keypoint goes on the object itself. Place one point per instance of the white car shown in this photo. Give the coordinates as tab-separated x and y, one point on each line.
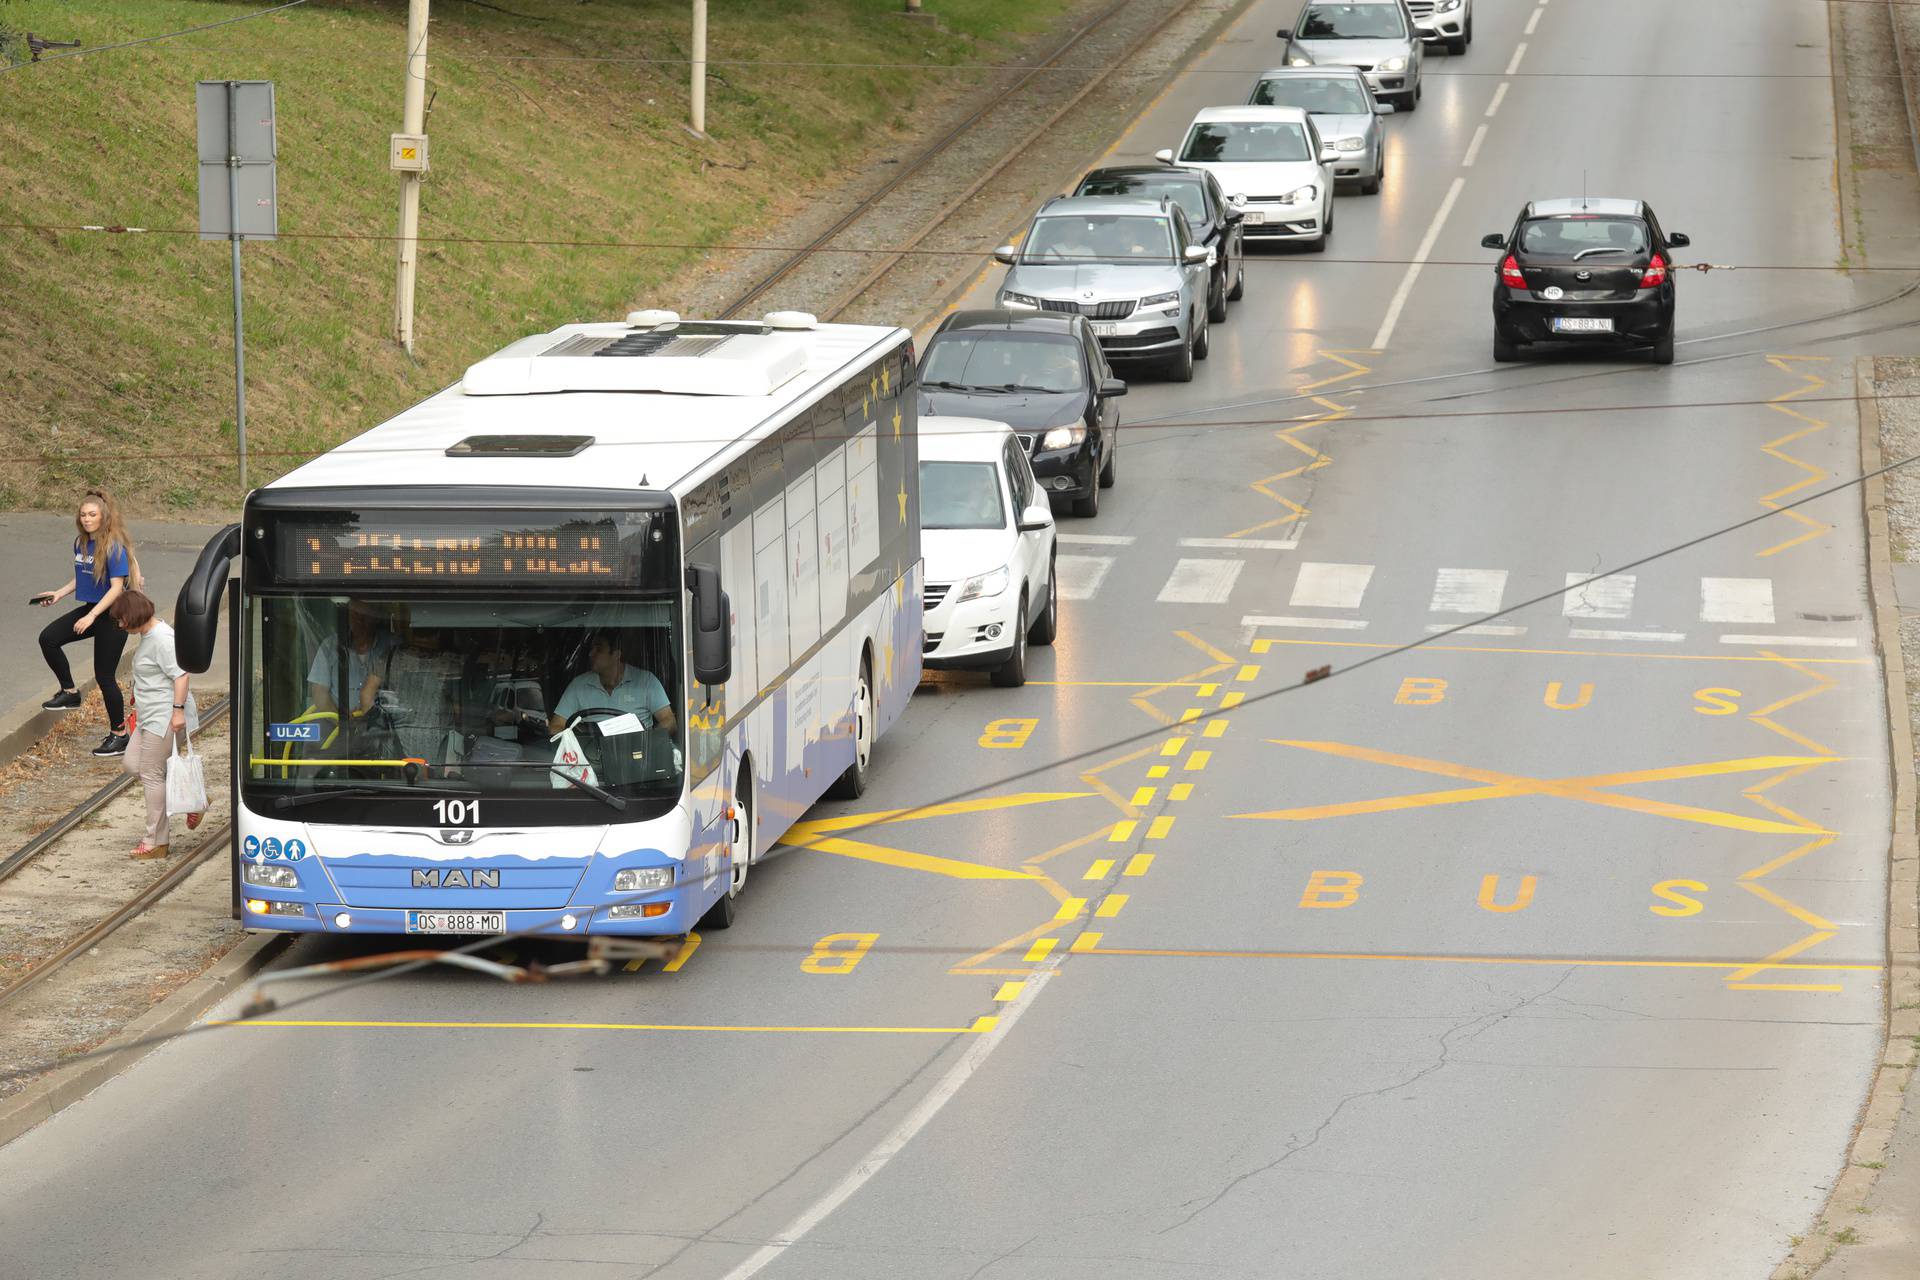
1273	165
988	542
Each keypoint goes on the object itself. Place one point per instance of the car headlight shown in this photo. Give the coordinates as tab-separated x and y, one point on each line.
985	586
1012	299
1349	144
1396	63
1448	6
1059	438
1301	195
1299	60
1161	300
273	877
638	879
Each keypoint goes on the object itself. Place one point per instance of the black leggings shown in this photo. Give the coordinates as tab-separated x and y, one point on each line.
109	642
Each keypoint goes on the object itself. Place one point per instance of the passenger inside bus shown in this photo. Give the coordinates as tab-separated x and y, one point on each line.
359	666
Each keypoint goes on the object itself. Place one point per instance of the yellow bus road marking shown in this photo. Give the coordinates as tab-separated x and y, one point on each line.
801	832
1768	868
1266	644
1143	796
1122	831
1799	913
1587	962
378	1024
1157	771
1198	760
1010	990
1099	869
908	860
1159	827
1586	789
1784	986
1173	746
1180	791
1249	671
1216	728
1137	865
1110	906
1070	909
1041	949
1085	943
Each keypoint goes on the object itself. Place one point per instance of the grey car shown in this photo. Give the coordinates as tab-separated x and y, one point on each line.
1130	265
1343	110
1377	36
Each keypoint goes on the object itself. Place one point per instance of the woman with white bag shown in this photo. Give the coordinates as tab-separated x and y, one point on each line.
163	713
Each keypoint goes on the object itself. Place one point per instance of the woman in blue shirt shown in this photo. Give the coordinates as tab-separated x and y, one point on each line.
103	563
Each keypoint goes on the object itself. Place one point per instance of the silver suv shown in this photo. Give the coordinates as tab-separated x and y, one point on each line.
1377	36
1130	265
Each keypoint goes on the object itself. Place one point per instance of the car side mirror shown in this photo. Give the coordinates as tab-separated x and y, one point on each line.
1198	253
1679	240
1328	155
1004	255
1036	517
1112	387
1164	155
1493	240
1383	108
712	626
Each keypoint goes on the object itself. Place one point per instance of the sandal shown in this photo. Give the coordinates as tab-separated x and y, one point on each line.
194	819
143	851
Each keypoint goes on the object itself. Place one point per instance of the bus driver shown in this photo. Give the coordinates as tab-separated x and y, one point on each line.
611	682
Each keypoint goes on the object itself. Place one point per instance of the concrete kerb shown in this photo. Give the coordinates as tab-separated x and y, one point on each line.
62	1087
1874	1129
24	725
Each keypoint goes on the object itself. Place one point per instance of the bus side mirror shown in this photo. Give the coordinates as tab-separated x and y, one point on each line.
196	613
712	626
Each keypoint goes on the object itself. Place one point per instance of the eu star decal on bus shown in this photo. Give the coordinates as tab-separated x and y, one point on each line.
570	645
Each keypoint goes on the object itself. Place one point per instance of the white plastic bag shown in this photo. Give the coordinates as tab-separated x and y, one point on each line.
571	760
186	780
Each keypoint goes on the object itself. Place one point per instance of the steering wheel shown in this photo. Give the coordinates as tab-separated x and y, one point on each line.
308	717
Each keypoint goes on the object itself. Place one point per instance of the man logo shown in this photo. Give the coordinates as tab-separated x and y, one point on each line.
456	837
458	878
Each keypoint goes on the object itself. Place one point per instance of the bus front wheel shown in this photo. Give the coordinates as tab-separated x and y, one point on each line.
720	914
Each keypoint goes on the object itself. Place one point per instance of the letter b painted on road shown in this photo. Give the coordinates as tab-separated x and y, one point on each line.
1332	890
1008	735
838	953
1421	691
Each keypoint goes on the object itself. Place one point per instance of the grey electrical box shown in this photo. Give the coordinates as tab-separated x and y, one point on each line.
407	153
239	182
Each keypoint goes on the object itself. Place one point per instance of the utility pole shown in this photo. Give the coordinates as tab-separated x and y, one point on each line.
699	94
408	155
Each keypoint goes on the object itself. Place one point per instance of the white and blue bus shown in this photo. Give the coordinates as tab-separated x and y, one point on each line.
572	643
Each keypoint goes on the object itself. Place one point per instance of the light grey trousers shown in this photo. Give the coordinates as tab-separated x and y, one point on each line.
146	759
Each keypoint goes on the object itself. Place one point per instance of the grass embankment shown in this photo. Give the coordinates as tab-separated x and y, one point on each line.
115	350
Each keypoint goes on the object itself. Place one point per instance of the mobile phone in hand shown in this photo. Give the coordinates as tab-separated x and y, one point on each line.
45	597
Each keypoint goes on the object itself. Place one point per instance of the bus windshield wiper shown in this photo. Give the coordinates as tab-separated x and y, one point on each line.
334	793
598	792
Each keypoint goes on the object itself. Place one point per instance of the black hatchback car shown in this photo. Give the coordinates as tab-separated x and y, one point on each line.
1042	375
1215	223
1587	271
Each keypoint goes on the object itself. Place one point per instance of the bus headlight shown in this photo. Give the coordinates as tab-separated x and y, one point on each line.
269	875
639	879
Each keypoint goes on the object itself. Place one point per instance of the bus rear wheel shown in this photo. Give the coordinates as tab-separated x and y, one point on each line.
720	914
852	784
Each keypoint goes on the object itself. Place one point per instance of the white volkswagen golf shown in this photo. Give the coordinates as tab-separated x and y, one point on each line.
988	541
1272	164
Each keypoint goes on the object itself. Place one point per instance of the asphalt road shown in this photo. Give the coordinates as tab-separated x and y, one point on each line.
1456	965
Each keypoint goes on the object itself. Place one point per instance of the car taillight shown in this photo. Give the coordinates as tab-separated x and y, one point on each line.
1510	274
1655	275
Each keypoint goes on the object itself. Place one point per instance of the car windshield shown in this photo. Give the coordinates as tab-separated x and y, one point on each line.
1185	191
1101	237
961	495
464	694
997	360
1243	140
1322	95
1351	22
1583	237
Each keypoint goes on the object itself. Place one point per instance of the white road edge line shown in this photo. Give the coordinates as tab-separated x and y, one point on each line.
1824	642
1519	52
1584	633
912	1123
1420	256
1533	21
1478	629
1338	624
1243	544
1473	148
1499	96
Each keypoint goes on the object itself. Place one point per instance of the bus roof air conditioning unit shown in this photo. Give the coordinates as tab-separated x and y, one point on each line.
681	357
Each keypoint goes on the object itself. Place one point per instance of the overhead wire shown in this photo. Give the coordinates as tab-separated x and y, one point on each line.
147	40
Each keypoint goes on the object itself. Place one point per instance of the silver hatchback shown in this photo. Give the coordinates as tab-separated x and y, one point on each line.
1130	266
1377	36
1343	111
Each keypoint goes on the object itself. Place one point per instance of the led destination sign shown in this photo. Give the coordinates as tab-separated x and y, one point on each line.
370	552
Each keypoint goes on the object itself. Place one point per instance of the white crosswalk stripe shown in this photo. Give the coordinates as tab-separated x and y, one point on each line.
1201	581
1330	586
1609	597
1094	539
1081	576
1736	600
1468	591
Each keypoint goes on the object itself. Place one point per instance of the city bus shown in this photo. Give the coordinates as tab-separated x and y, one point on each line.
568	646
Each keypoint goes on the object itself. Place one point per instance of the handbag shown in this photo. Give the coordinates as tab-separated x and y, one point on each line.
186	780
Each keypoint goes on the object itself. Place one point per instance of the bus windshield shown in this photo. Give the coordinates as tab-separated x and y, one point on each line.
488	695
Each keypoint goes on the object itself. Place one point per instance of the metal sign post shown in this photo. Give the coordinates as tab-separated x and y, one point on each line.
239	197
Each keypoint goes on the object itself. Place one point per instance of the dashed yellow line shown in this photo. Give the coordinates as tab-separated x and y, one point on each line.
1111	905
1137	865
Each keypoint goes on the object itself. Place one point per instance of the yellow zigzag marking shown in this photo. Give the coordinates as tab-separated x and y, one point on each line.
1810	382
1331	411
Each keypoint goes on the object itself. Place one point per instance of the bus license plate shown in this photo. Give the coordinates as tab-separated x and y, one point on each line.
1583	324
1105	330
456	922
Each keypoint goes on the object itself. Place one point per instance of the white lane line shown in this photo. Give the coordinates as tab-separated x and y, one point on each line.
1482	629
1736	600
1473	148
1200	581
1499	96
1336	624
1583	633
1468	591
896	1140
1330	586
1533	21
1237	544
1824	642
1081	576
1401	294
1610	597
1095	539
1519	52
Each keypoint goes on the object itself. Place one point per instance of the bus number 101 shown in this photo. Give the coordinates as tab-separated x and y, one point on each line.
458	813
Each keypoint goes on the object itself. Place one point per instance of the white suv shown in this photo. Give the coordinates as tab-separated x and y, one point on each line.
1273	165
988	542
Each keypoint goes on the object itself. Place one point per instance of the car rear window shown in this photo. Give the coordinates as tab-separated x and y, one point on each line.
1185	191
1322	95
1583	236
1231	141
961	495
